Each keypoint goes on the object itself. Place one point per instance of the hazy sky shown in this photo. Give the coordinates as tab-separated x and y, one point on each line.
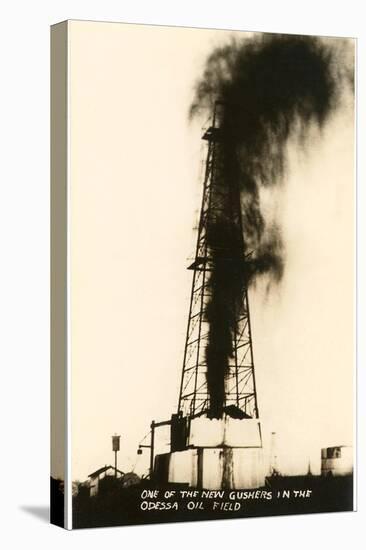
135	194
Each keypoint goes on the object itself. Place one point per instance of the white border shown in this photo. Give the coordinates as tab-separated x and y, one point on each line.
355	289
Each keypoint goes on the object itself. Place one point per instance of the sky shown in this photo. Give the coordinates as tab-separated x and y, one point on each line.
136	166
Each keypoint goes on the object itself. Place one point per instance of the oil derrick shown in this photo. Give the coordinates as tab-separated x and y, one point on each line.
218	370
215	436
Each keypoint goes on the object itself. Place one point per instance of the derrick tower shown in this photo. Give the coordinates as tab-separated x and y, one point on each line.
218	375
215	436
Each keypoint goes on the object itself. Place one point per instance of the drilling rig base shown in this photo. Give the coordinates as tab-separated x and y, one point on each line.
212	468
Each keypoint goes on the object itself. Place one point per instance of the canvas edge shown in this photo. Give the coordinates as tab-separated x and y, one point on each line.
60	331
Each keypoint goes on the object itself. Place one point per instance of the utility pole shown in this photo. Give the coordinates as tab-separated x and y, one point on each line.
152	443
273	458
115	446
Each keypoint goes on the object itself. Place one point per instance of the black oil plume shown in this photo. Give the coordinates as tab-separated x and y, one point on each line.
271	89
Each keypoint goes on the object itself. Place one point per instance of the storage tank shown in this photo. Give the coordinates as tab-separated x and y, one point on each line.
337	461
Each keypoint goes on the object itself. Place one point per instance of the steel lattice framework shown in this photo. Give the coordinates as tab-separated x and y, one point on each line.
239	383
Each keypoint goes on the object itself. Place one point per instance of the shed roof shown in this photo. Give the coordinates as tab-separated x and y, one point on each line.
104	469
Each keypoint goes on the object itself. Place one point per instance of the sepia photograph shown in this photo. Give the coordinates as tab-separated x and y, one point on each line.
207	230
